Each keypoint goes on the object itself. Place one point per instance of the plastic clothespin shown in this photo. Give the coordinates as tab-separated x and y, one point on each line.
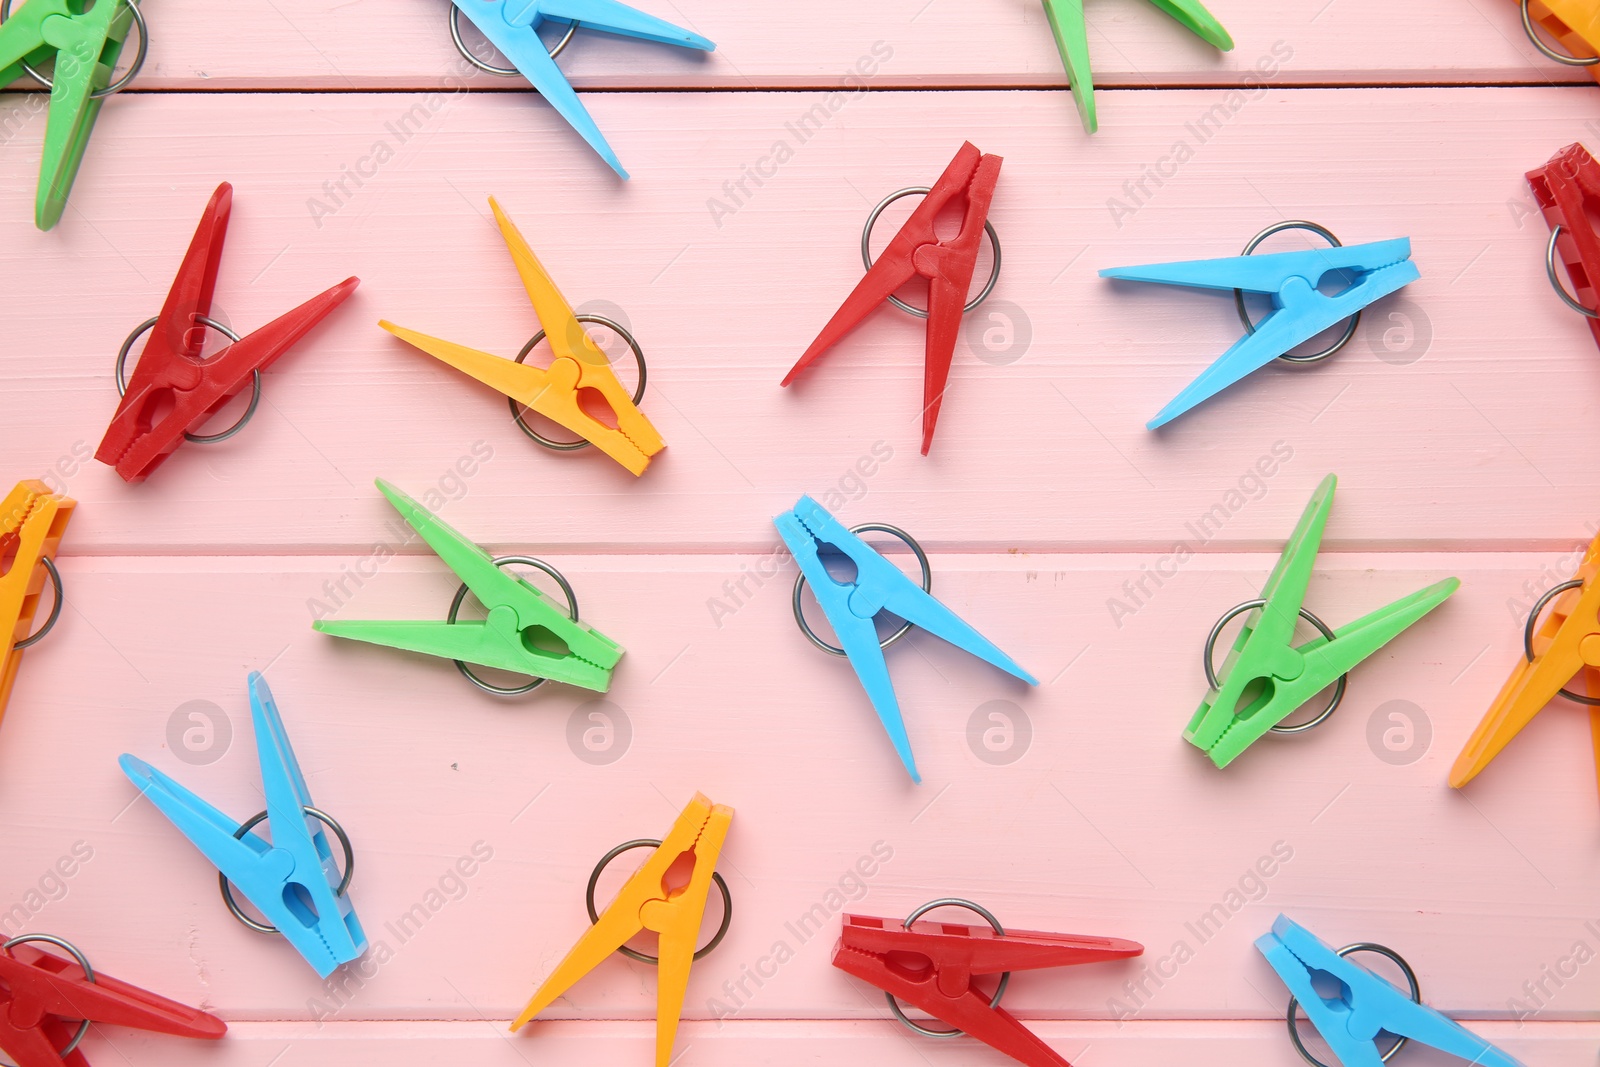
173	391
650	900
1266	677
1566	644
1072	40
85	40
1352	1009
42	995
948	264
932	967
1567	190
579	372
522	625
32	522
878	586
290	879
1575	23
512	26
1300	311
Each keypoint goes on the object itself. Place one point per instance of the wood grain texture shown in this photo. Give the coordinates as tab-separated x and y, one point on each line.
1482	375
738	1043
370	44
1095	552
1105	822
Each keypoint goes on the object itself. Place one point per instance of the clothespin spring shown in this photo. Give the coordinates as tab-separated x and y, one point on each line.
115	87
866	527
461	597
1546	50
202	320
999	990
489	68
1527	635
635	954
1208	660
922	313
1244	313
518	411
1555	279
256	820
77	954
55	608
1359	946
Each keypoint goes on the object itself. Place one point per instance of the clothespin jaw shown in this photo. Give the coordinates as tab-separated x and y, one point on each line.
43	995
947	263
173	391
579	375
291	880
33	520
1072	41
512	27
1266	677
1567	190
878	586
1361	1004
649	901
932	966
1566	643
526	630
1300	311
85	41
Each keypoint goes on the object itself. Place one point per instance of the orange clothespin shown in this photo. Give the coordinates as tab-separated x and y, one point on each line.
1567	643
648	901
579	377
1573	23
32	520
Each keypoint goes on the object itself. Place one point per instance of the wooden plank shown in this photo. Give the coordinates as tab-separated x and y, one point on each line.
735	1043
405	44
1464	434
1104	821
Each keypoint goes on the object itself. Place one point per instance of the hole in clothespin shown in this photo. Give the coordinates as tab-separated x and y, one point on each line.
593	403
840	567
298	900
912	966
543	642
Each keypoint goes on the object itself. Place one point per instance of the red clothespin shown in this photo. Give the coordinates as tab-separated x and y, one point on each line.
43	996
1567	188
173	391
947	263
931	966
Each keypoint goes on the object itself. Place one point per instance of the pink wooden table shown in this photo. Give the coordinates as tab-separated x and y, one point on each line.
1461	422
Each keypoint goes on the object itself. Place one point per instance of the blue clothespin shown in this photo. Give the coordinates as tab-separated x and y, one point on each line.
290	880
512	26
1299	312
878	586
1359	1005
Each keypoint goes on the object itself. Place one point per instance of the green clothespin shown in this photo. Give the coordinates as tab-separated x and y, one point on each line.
1072	39
85	45
1267	678
526	631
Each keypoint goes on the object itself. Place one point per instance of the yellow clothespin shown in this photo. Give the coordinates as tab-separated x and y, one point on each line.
579	374
32	520
1574	23
648	902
